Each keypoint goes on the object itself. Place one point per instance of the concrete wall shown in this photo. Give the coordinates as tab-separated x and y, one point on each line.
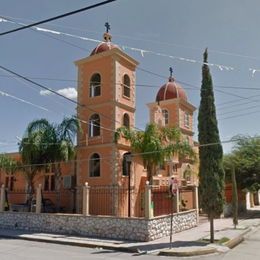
137	229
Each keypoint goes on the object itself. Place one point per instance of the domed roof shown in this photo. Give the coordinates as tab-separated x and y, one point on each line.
171	90
106	45
103	46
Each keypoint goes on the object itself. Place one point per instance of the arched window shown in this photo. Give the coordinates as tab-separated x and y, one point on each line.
186	119
126	120
187	174
126	86
126	164
95	85
94	165
165	116
94	126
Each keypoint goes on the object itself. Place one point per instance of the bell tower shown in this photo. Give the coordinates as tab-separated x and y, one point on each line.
106	92
172	109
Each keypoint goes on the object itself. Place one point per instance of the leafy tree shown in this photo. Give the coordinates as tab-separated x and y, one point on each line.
155	144
32	153
9	165
46	143
211	173
245	157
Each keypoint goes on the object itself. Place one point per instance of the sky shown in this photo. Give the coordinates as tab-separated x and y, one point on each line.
159	34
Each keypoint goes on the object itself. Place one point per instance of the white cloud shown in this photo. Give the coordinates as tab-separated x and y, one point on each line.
67	92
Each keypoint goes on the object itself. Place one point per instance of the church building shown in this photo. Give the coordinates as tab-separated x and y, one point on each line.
106	94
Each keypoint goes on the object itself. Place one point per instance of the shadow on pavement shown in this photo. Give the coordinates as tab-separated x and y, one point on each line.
251	213
101	251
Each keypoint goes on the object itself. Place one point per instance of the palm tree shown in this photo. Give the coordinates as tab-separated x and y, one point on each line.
32	156
46	143
155	144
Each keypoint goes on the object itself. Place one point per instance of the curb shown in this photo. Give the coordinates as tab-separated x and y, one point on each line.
237	240
190	252
78	244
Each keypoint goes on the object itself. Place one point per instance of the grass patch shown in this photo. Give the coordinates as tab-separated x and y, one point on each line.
202	240
223	240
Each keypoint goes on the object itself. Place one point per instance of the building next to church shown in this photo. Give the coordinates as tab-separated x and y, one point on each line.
107	98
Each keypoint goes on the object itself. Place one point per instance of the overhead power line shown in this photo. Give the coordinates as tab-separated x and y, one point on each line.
135	154
2	93
58	94
140	39
40	85
58	17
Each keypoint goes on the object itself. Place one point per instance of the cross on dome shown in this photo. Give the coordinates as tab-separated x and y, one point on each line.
107	36
107	25
171	77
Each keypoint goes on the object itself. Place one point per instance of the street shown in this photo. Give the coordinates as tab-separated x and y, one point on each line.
15	249
248	249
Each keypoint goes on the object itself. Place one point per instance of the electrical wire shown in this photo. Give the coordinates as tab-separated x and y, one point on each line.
142	39
39	85
58	17
190	84
5	94
135	154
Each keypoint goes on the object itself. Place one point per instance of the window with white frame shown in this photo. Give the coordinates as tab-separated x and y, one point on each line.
49	182
126	86
95	85
186	119
165	116
94	126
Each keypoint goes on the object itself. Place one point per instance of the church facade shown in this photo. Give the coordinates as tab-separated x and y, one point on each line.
106	93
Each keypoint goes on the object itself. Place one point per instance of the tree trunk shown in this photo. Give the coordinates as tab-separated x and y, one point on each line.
57	173
30	188
234	198
211	219
149	174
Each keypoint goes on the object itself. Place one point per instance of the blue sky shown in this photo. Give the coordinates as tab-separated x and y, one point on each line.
176	34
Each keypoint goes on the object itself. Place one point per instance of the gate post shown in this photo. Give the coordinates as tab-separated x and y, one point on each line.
2	199
39	199
196	201
85	206
148	201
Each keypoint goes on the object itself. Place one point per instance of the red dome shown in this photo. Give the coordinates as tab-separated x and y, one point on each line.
171	90
103	46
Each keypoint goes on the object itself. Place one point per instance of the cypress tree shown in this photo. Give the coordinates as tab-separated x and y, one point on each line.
211	172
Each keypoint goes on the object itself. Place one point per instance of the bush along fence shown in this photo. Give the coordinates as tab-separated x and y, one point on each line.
154	221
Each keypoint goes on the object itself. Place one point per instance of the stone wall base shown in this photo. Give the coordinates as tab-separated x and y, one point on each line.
135	229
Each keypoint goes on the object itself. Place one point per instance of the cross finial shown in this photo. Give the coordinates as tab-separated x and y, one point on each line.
107	25
171	79
171	71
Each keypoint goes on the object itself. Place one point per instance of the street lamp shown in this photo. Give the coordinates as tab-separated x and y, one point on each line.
128	162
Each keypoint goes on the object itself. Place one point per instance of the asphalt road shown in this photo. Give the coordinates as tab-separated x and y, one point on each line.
14	249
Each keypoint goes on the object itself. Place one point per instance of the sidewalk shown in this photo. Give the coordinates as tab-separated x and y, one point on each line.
186	243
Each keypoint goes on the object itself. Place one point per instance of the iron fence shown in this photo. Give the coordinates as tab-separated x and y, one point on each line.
162	200
116	201
52	201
